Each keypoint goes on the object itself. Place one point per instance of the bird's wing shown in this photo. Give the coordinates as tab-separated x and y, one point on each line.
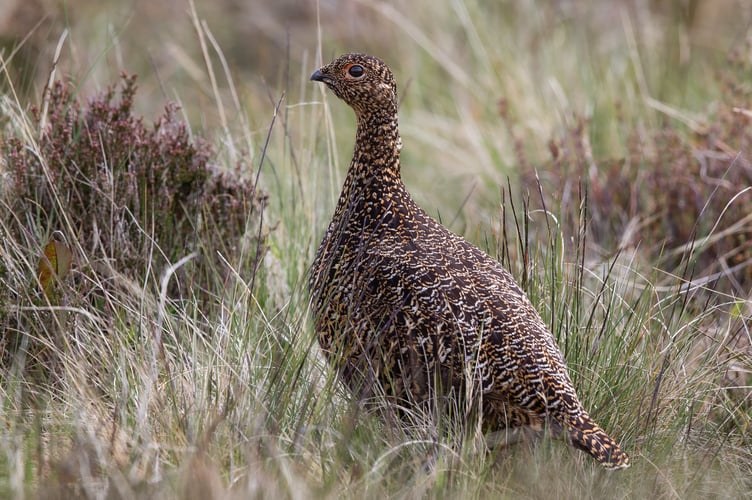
457	291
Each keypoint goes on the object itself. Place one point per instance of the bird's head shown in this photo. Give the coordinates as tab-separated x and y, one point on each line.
362	81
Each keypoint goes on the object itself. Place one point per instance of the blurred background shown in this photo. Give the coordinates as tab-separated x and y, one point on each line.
263	41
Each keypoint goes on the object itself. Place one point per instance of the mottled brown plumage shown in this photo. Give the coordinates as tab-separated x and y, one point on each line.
401	301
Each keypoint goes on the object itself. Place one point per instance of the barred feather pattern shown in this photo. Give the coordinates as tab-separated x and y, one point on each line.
400	301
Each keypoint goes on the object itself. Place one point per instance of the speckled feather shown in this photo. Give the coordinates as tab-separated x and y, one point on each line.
400	300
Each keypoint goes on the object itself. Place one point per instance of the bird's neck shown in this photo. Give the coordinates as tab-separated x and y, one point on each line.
376	157
373	183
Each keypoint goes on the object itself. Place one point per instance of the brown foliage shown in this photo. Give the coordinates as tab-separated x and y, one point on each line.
129	198
674	191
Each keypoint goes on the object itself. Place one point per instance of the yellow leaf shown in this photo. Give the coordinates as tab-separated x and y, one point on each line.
54	265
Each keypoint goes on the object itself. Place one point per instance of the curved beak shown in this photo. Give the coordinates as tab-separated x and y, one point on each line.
318	76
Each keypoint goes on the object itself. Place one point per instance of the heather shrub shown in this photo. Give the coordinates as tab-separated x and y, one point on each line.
129	199
681	193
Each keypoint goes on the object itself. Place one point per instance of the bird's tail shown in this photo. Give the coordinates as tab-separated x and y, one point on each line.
588	436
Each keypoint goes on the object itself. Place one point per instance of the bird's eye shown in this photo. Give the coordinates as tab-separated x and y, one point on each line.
356	71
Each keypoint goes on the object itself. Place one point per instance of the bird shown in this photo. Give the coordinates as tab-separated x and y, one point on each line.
401	303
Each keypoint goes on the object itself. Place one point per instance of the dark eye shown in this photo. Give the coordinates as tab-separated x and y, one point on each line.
356	71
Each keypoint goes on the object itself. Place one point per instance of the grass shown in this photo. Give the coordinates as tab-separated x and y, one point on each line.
201	377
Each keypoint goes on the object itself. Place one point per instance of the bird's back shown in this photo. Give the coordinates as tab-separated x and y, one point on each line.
439	299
